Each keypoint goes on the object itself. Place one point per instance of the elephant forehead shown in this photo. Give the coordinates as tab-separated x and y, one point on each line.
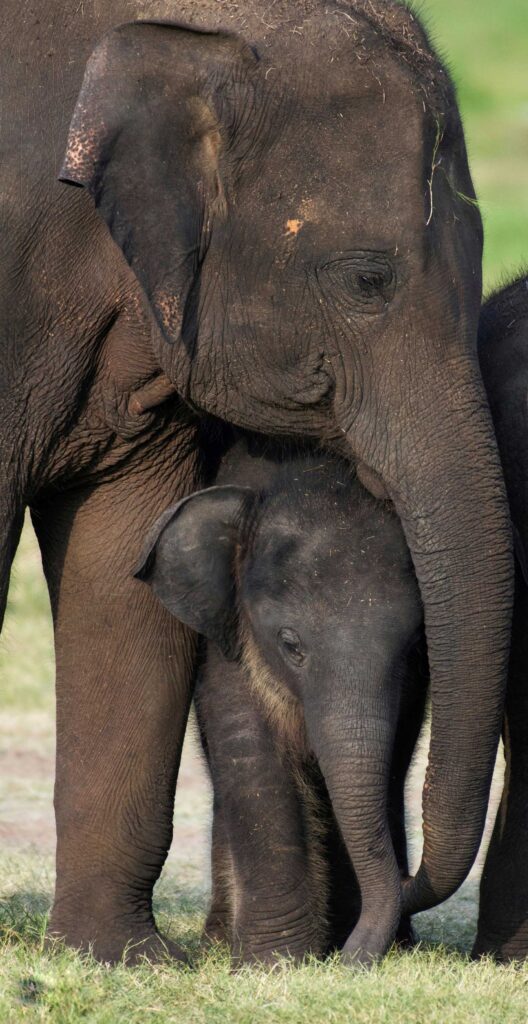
342	169
331	579
326	540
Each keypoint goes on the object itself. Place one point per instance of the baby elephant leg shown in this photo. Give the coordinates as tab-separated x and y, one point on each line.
503	912
219	922
412	711
262	832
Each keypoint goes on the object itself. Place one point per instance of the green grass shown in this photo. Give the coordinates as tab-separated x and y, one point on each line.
26	648
433	985
487	43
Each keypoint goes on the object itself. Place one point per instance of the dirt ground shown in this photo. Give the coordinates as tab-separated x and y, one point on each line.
27	754
26	797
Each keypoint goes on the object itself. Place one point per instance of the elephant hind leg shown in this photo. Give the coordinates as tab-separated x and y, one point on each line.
219	922
503	911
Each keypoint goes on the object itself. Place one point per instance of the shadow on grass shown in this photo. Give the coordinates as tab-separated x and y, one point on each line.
452	925
24	915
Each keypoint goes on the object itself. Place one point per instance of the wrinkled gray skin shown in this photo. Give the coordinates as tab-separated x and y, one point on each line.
304	585
503	352
290	200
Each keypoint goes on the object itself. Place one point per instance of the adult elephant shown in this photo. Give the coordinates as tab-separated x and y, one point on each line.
294	202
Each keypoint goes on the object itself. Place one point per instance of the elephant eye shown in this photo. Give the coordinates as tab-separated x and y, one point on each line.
290	645
369	284
365	281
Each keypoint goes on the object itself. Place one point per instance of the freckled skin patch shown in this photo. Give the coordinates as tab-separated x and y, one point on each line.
169	309
310	209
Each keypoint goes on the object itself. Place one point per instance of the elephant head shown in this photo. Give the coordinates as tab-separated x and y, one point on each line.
297	205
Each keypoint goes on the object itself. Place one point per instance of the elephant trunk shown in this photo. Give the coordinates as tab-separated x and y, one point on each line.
354	750
447	487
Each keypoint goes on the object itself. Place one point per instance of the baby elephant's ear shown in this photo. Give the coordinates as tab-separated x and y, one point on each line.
189	557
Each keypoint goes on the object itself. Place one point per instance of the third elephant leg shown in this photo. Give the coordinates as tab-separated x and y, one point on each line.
503	912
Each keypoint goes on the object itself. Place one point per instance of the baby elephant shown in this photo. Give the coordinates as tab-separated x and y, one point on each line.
304	585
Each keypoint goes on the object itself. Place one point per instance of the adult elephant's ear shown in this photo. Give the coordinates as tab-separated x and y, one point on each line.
189	561
149	139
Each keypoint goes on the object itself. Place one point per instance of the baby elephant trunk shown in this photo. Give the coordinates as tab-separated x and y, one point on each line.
354	751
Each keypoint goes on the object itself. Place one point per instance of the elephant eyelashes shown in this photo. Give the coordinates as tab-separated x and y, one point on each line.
365	281
290	644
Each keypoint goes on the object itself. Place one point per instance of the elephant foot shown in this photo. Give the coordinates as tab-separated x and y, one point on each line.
216	931
111	947
502	951
367	945
267	955
356	959
264	958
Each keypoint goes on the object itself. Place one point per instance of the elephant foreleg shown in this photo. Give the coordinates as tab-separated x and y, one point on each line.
263	832
124	670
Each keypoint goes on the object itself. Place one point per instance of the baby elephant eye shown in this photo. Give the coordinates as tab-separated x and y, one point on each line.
290	643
